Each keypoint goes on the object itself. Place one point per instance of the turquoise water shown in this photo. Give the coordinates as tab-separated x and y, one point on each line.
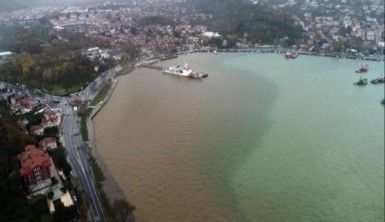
322	156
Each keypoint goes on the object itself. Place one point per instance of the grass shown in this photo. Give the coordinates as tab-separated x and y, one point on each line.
100	96
110	213
83	123
98	173
99	178
125	71
58	90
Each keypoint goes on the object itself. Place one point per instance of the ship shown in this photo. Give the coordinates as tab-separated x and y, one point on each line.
377	81
184	71
363	69
361	82
291	55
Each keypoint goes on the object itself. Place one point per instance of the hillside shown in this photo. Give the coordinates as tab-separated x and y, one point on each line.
235	17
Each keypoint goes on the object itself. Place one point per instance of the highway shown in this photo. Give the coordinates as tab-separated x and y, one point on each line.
76	148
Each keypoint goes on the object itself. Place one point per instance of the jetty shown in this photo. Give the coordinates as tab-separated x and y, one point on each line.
153	66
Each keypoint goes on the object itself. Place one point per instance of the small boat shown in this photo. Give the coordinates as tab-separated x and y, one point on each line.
363	69
377	81
291	55
383	101
361	82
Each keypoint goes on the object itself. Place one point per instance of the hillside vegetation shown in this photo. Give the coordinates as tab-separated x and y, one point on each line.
262	23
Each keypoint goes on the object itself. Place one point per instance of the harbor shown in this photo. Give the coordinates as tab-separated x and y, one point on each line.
254	132
282	50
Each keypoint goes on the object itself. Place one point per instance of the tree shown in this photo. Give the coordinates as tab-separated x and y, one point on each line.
122	209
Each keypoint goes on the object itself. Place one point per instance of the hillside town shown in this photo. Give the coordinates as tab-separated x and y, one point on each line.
164	27
135	31
43	170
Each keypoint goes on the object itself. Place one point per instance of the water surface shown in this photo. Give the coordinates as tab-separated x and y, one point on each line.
262	139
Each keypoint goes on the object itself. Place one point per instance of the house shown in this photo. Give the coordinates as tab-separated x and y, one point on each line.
37	130
35	167
5	56
26	105
52	117
48	143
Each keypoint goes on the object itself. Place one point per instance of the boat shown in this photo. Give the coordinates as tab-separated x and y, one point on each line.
184	71
291	55
361	82
363	69
383	101
377	81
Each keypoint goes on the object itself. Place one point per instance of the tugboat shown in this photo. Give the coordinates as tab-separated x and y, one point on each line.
363	69
291	55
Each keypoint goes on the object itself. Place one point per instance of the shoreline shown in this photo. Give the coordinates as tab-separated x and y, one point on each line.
281	50
110	187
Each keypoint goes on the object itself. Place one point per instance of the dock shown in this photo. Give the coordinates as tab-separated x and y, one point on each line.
153	66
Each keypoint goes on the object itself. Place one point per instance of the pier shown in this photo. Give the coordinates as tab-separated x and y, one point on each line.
152	66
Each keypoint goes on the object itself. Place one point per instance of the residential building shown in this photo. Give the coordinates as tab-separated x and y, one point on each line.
35	167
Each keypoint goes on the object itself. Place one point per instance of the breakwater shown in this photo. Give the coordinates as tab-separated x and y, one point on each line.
282	50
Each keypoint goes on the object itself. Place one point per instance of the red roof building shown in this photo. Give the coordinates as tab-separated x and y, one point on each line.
35	165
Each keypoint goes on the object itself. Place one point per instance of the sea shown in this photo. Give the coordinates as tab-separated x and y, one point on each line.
262	138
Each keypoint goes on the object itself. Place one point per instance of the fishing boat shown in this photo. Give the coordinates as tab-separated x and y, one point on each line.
377	81
361	82
363	69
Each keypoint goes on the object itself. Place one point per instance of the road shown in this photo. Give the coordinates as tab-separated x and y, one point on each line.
76	148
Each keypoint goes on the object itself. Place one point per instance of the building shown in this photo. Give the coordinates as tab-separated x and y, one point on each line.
35	167
37	130
5	56
26	105
48	143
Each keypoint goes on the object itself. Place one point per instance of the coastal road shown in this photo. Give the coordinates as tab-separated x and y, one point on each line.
72	140
74	145
76	148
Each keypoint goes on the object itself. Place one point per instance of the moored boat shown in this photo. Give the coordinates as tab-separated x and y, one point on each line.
291	55
363	69
361	82
377	81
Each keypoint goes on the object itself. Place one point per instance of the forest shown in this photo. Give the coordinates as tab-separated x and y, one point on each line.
263	24
43	61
